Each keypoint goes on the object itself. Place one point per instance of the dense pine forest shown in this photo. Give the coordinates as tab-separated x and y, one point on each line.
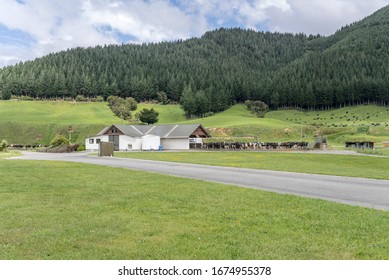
223	67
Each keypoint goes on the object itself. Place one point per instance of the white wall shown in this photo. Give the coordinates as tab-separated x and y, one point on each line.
94	146
175	144
127	143
151	142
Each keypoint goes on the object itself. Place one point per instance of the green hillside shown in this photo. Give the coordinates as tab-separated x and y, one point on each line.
349	67
60	113
26	122
359	123
167	113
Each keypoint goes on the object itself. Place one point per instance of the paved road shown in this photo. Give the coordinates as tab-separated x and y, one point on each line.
354	191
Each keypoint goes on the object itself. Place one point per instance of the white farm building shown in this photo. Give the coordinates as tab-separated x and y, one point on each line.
148	137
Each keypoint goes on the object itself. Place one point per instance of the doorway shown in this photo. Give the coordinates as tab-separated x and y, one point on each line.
115	140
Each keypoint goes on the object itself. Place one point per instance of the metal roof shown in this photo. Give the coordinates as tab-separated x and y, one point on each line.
163	131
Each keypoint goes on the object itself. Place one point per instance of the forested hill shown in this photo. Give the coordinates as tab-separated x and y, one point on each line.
220	68
351	66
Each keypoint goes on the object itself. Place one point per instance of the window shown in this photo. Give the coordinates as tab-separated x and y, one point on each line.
91	141
98	141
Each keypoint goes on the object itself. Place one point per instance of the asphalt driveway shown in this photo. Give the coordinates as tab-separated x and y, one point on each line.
354	191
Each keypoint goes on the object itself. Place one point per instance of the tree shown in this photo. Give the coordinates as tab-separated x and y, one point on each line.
202	103
148	116
162	98
122	107
258	108
188	102
5	95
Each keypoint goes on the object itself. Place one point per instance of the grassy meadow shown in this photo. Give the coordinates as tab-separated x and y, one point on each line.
59	210
27	122
37	122
359	123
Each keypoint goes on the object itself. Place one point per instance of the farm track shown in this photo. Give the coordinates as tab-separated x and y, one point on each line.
369	193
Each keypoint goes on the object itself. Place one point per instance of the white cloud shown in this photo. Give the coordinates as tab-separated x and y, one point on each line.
148	21
323	17
53	25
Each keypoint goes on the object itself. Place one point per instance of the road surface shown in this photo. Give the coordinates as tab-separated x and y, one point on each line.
354	191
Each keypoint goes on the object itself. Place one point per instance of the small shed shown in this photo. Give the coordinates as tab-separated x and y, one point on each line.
360	145
385	144
106	149
150	142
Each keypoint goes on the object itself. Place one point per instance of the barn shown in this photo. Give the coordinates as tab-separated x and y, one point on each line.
148	137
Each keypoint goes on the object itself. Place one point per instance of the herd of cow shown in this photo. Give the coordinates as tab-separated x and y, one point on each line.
221	146
249	146
26	147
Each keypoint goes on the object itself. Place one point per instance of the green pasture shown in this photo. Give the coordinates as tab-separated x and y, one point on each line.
56	112
75	113
37	122
360	123
238	115
237	122
342	117
60	210
168	114
329	164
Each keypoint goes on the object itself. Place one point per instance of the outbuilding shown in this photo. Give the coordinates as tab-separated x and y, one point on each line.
148	137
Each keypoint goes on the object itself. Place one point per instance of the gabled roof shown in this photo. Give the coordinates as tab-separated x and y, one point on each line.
163	131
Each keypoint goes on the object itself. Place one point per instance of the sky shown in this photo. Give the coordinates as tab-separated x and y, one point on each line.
34	28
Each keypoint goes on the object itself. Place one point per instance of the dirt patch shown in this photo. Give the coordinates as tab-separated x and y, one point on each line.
220	132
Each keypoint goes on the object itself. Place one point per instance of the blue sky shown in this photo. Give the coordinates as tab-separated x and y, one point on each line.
34	28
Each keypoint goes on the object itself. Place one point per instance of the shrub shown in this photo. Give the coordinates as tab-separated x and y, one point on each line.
59	140
81	98
3	146
81	148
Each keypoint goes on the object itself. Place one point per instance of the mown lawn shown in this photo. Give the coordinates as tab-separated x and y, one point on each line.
329	164
59	210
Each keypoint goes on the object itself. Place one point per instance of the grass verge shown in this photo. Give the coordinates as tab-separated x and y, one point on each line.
59	210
